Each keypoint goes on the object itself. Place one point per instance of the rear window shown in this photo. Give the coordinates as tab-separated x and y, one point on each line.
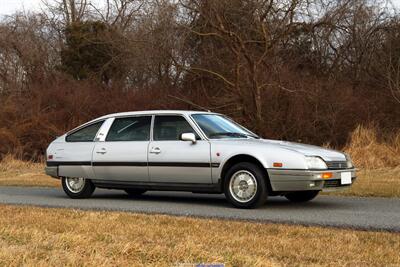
86	134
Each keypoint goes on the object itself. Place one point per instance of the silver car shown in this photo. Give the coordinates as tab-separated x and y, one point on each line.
191	151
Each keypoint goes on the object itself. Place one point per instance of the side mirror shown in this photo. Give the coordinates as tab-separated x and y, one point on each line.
188	137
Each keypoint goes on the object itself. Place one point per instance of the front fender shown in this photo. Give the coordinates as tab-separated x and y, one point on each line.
266	155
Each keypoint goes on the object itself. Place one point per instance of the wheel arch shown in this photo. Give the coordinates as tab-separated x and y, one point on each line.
244	158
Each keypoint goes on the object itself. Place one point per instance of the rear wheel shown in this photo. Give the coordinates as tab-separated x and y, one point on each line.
302	196
77	187
135	192
245	185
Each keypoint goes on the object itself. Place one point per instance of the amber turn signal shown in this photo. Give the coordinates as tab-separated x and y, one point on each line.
278	164
327	175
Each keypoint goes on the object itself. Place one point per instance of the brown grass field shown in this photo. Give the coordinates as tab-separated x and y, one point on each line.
383	182
22	173
32	236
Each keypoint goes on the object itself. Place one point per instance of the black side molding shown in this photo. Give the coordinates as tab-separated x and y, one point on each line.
68	163
137	164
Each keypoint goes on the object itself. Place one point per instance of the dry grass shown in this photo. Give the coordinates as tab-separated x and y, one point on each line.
15	172
384	182
368	151
379	163
40	237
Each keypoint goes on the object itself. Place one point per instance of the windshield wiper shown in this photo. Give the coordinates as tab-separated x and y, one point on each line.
252	135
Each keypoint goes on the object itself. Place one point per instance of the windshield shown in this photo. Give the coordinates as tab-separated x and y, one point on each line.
217	127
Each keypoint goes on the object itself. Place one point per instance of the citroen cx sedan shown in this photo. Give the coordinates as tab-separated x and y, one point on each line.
193	151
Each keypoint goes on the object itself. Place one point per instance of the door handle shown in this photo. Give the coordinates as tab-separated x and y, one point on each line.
102	151
155	150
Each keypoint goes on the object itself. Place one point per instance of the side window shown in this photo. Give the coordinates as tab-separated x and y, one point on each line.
171	128
86	134
130	129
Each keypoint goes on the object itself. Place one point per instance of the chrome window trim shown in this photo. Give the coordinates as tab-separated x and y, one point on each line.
151	127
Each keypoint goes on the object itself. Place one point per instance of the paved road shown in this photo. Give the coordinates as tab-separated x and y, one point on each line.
360	213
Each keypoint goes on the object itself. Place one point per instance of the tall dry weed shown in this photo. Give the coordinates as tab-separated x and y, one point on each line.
10	163
368	150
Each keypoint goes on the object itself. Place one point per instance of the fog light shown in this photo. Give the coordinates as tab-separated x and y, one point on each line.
312	184
327	175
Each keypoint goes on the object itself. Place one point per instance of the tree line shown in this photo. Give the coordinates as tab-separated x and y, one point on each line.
296	70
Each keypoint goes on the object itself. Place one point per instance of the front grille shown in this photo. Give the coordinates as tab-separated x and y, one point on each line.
336	165
335	183
332	183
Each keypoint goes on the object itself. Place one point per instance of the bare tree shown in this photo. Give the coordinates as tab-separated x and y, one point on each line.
393	78
251	32
67	11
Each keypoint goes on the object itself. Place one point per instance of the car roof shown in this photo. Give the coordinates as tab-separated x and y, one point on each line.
154	112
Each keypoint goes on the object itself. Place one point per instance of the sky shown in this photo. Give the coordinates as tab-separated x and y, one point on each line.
8	7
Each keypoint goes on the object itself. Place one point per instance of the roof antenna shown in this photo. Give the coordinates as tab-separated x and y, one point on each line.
190	103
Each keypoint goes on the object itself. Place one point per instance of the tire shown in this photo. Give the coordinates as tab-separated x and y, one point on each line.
84	190
132	192
245	175
302	196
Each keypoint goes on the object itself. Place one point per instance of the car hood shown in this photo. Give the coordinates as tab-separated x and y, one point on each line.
308	150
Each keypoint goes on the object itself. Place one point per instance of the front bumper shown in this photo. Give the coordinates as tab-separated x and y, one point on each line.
51	171
301	180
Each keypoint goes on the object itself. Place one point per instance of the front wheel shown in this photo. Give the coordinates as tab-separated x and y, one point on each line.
77	187
302	196
245	185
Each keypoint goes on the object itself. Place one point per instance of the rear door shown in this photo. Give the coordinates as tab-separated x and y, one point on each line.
122	155
74	156
174	161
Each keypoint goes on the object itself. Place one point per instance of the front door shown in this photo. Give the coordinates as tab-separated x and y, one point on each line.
174	161
122	156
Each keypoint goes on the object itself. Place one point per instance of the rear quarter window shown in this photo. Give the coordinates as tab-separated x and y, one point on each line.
86	134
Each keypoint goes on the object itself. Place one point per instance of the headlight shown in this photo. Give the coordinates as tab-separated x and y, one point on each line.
316	163
348	160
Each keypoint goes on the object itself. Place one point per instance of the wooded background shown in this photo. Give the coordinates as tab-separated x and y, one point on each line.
300	70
